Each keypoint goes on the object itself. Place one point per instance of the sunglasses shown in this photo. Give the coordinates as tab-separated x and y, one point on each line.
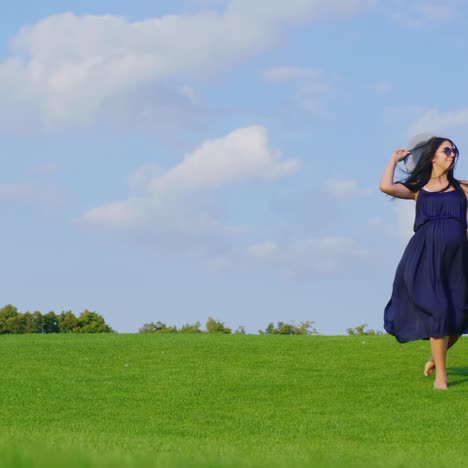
448	151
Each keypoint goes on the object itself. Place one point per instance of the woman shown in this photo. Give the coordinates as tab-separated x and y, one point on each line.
430	291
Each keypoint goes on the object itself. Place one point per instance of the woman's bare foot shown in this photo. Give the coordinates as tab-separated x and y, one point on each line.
429	367
440	385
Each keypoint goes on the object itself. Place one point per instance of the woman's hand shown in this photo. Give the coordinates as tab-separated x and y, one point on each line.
400	154
387	185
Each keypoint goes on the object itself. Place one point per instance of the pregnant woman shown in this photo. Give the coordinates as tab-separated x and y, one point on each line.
430	292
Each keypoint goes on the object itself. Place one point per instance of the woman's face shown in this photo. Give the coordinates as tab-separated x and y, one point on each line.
443	158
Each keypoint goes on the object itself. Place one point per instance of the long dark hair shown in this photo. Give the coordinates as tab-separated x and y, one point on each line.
421	174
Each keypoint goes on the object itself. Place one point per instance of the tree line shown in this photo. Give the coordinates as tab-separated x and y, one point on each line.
214	326
280	328
14	322
361	330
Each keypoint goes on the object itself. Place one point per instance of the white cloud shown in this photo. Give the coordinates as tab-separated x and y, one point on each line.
170	202
344	189
423	14
241	155
297	257
435	121
177	224
142	177
263	250
66	69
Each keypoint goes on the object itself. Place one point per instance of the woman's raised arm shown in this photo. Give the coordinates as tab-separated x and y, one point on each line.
386	182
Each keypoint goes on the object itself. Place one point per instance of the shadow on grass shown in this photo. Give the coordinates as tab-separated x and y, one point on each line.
462	372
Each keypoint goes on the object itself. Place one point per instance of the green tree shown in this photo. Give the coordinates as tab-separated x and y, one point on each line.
157	327
67	322
92	322
39	321
213	326
30	323
15	324
50	323
360	330
6	314
289	328
191	328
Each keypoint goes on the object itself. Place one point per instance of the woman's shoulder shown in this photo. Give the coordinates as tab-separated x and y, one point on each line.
464	185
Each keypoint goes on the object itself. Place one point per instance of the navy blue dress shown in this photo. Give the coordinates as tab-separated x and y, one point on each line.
430	290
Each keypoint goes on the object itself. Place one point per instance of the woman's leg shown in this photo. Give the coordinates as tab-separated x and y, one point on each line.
439	354
430	365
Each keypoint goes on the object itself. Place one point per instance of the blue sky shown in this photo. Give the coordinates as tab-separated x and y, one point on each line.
178	160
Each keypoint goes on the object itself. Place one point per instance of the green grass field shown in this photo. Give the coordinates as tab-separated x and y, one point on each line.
231	400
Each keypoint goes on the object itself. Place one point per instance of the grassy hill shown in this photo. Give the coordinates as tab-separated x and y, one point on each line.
231	400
